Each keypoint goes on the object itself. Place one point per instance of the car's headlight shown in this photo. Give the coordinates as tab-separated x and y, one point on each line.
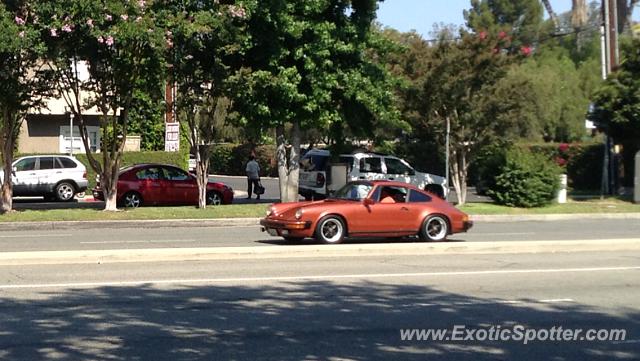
298	214
270	211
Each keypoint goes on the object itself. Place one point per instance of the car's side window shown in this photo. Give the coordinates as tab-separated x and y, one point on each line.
26	164
67	163
149	174
175	174
418	197
395	166
46	163
370	165
389	194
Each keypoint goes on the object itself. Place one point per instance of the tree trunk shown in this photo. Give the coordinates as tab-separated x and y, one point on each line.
294	164
552	14
281	156
459	175
6	196
202	176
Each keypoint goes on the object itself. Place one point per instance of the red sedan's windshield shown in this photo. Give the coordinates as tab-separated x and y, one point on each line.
354	191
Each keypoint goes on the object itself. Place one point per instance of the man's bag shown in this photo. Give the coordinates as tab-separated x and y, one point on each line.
259	189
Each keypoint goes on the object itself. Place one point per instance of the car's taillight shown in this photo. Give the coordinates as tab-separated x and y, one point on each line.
84	175
320	180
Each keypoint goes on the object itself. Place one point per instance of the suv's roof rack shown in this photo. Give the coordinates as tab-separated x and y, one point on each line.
360	150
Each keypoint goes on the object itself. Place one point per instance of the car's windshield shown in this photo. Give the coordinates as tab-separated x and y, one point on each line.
353	191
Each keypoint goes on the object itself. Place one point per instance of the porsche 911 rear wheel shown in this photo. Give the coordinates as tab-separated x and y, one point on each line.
330	230
435	228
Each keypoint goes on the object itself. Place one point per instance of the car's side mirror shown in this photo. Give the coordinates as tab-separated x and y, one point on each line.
368	201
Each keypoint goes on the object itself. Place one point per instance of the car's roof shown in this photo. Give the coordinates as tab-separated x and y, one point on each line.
145	165
386	183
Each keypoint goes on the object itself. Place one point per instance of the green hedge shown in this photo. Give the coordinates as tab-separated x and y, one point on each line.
526	179
231	159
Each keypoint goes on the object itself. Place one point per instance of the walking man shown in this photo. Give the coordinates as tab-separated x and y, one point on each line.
253	176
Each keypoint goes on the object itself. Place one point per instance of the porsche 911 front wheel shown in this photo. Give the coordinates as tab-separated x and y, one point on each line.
330	230
435	228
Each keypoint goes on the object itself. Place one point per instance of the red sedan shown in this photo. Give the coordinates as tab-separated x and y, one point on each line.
367	209
160	184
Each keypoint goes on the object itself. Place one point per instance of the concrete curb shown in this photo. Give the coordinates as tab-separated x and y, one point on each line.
551	217
246	222
159	223
311	251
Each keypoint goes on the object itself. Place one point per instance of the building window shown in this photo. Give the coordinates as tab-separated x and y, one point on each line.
78	146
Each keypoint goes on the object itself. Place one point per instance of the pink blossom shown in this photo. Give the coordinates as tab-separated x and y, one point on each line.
124	17
101	39
109	40
108	17
502	35
141	3
67	28
169	43
237	11
525	50
138	19
53	32
482	35
169	33
90	23
21	34
19	20
563	147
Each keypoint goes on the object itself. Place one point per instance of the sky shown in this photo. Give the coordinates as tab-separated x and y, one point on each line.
420	15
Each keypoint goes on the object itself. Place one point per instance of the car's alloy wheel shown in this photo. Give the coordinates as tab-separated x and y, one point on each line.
435	228
65	192
132	200
330	230
214	199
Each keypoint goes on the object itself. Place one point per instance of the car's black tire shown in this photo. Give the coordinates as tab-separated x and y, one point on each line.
435	228
293	240
331	230
132	200
214	198
64	192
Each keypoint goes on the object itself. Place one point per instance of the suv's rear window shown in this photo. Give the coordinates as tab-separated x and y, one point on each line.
67	163
313	162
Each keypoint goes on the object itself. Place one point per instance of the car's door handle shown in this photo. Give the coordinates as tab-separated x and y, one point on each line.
361	177
391	178
32	173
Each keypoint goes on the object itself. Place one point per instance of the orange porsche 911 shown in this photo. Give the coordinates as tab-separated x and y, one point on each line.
367	209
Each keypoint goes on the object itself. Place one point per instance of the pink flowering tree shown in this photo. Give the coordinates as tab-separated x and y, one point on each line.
204	50
123	48
22	83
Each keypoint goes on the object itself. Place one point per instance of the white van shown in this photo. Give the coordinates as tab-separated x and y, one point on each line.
315	172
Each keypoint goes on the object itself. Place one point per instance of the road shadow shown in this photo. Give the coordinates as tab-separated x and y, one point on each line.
311	320
41	204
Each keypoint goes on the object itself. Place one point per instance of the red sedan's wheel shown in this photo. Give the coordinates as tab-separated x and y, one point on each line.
132	200
435	228
214	198
330	229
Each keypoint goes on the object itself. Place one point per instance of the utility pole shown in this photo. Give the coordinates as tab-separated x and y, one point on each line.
610	59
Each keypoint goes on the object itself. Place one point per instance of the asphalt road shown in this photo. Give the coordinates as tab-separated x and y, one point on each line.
350	308
84	239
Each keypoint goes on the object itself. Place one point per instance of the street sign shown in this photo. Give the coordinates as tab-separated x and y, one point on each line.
172	137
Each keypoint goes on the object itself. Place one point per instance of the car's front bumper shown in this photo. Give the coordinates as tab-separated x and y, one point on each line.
286	227
466	225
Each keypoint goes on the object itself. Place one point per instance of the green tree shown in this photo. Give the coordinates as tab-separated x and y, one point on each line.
309	66
121	45
522	19
206	48
617	105
23	84
462	87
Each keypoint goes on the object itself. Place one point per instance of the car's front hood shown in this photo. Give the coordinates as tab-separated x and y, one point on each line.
288	209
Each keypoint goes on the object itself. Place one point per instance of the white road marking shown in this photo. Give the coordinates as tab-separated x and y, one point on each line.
36	235
500	234
557	300
314	277
149	241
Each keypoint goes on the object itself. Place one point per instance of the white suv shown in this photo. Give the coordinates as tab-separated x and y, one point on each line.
57	177
314	170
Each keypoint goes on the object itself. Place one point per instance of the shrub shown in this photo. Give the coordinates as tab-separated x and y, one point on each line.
526	180
231	159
